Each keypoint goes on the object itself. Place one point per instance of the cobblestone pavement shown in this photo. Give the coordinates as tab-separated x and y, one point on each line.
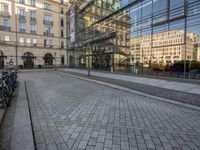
184	97
69	113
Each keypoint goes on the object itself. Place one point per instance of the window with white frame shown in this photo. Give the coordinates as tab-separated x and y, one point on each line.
21	1
33	28
32	15
28	40
5	10
32	2
6	23
6	38
21	40
22	27
47	6
50	43
62	44
48	18
34	42
21	12
47	30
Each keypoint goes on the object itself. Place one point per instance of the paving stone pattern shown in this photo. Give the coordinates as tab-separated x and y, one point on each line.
172	94
69	113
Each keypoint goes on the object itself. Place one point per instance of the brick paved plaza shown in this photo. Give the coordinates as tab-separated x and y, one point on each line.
69	113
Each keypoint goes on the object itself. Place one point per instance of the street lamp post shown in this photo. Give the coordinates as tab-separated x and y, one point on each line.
89	53
88	66
55	60
16	51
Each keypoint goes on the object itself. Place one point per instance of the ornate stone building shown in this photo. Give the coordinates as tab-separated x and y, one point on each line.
33	32
198	54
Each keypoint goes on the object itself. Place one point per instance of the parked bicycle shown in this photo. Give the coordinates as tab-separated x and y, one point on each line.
7	86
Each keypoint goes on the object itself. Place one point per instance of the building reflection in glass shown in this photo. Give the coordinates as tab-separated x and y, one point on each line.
164	48
165	36
153	36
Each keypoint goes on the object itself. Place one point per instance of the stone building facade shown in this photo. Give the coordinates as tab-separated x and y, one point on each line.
33	33
198	54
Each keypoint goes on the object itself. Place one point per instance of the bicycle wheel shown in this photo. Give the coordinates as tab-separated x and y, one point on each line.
2	102
5	94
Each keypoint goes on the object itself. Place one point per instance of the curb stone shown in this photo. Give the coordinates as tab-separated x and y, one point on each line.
22	135
2	113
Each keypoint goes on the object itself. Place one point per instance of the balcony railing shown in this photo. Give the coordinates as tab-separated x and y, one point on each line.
48	46
33	31
48	8
5	28
21	17
21	1
5	14
47	22
48	34
22	30
33	19
32	3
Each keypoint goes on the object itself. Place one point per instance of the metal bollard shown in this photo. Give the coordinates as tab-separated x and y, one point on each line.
88	72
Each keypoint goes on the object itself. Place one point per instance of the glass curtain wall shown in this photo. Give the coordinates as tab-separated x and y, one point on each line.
193	38
165	37
159	37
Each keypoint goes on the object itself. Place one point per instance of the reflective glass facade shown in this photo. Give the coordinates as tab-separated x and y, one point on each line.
153	37
165	36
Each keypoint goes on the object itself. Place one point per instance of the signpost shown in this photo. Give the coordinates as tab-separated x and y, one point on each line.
16	38
55	59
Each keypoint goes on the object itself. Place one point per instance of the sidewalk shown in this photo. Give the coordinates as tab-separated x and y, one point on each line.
22	136
161	83
17	133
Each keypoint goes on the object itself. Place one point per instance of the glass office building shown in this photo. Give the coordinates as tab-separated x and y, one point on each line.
161	36
165	36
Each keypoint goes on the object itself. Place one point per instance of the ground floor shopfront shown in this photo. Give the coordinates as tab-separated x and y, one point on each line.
104	61
31	57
